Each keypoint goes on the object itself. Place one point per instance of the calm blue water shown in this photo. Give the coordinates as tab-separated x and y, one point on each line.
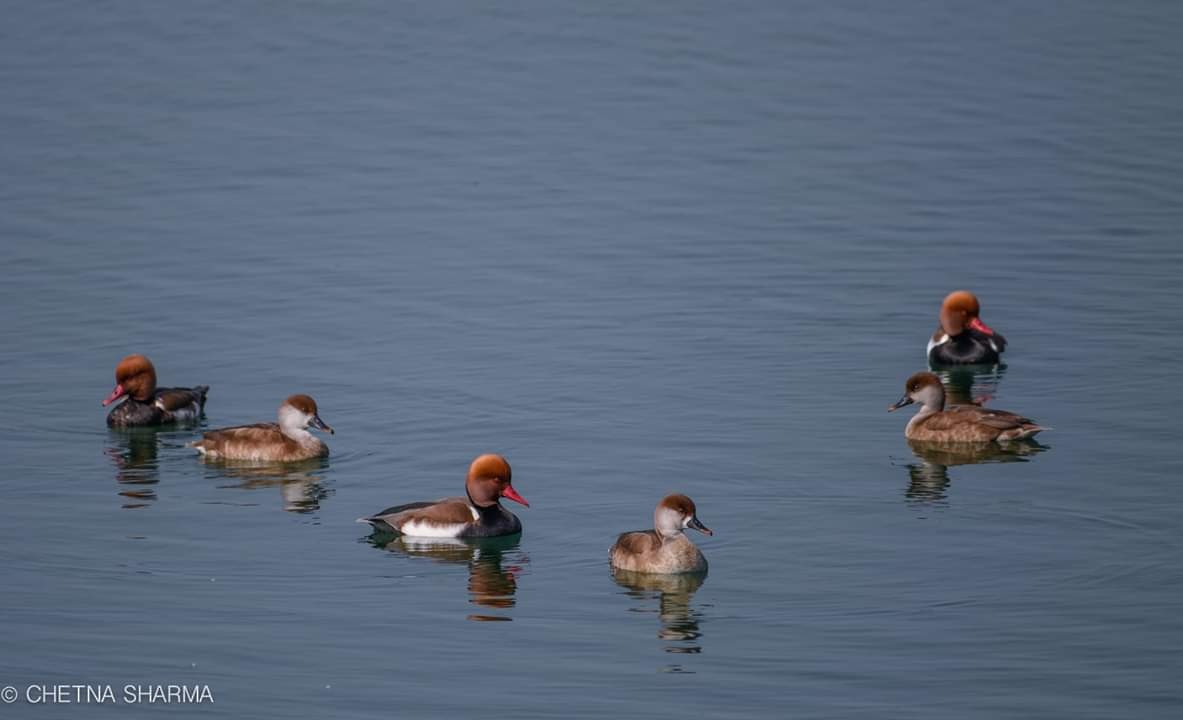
684	246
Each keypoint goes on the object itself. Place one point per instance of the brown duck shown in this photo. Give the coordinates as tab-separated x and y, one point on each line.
958	424
665	548
285	441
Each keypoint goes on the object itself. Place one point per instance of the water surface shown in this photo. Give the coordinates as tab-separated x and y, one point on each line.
688	247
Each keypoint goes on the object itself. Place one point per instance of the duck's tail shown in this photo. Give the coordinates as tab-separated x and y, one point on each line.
1023	432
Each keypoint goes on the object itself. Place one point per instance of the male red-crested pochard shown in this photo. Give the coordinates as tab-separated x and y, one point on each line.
665	549
960	423
962	338
479	514
146	404
285	441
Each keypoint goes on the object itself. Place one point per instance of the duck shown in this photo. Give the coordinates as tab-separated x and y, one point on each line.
960	423
478	514
962	338
146	405
285	441
665	549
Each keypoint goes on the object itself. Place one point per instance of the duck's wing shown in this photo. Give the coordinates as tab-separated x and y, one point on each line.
222	439
174	399
973	423
638	542
424	517
1000	419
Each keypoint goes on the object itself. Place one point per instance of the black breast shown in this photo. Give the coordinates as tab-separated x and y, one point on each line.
495	521
133	413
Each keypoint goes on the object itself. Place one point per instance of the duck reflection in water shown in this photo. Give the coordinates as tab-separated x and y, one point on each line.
674	593
494	565
299	483
134	453
970	384
928	480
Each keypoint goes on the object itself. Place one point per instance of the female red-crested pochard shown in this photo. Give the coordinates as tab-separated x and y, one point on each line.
146	404
665	549
478	514
960	423
962	338
285	441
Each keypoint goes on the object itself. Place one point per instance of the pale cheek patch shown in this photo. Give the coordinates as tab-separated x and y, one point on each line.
421	528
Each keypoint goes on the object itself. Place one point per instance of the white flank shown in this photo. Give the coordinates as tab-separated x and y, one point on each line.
421	528
933	343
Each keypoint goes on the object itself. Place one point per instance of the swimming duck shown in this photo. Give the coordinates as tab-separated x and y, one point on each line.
960	423
665	549
962	338
285	441
146	404
479	514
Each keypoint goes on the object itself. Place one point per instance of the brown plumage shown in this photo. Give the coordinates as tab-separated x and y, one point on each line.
637	542
137	375
665	549
958	310
303	403
478	515
285	441
446	511
959	424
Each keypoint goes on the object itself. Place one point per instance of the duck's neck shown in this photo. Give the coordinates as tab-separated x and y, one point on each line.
298	434
932	403
672	539
925	412
294	424
668	523
483	510
669	533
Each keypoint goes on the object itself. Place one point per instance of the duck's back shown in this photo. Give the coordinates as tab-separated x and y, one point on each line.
181	404
971	423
